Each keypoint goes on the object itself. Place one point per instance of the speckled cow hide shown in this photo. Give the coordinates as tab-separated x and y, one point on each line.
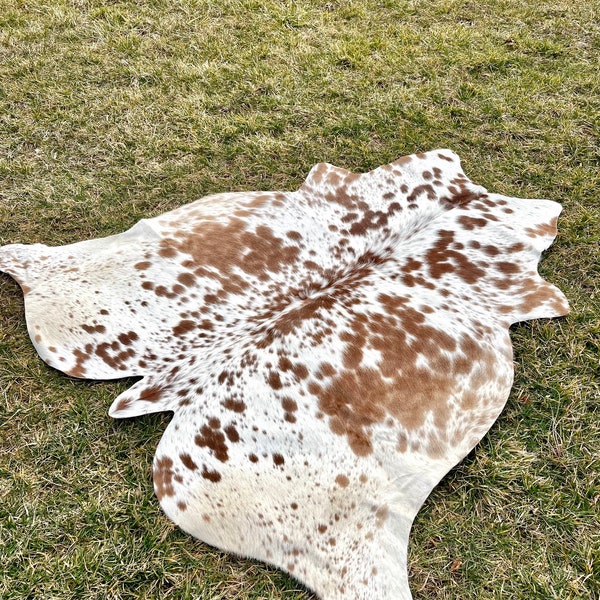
329	354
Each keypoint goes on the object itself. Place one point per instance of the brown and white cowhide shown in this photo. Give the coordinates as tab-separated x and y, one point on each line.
329	354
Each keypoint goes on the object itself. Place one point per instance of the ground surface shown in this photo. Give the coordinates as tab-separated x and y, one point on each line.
112	111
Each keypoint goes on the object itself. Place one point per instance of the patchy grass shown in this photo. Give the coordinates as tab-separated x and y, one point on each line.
111	111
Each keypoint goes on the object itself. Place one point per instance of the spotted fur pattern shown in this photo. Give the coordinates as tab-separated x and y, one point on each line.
329	354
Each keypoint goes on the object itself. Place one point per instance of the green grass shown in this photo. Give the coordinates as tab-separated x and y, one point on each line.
112	111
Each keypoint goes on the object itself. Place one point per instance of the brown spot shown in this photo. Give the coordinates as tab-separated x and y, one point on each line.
81	357
186	459
213	476
94	328
401	387
161	290
491	250
107	351
316	175
162	474
543	230
402	445
183	327
311	265
214	423
461	195
253	458
289	405
322	528
411	265
507	268
352	356
278	459
232	433
288	322
404	160
214	440
425	188
226	246
470	223
342	481
123	404
167	251
187	279
142	266
128	338
538	294
151	394
373	219
234	405
381	515
285	364
326	370
442	259
274	380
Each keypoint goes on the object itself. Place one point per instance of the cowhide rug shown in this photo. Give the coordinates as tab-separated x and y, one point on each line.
329	354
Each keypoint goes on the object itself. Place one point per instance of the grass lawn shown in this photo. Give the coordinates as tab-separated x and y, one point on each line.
111	111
